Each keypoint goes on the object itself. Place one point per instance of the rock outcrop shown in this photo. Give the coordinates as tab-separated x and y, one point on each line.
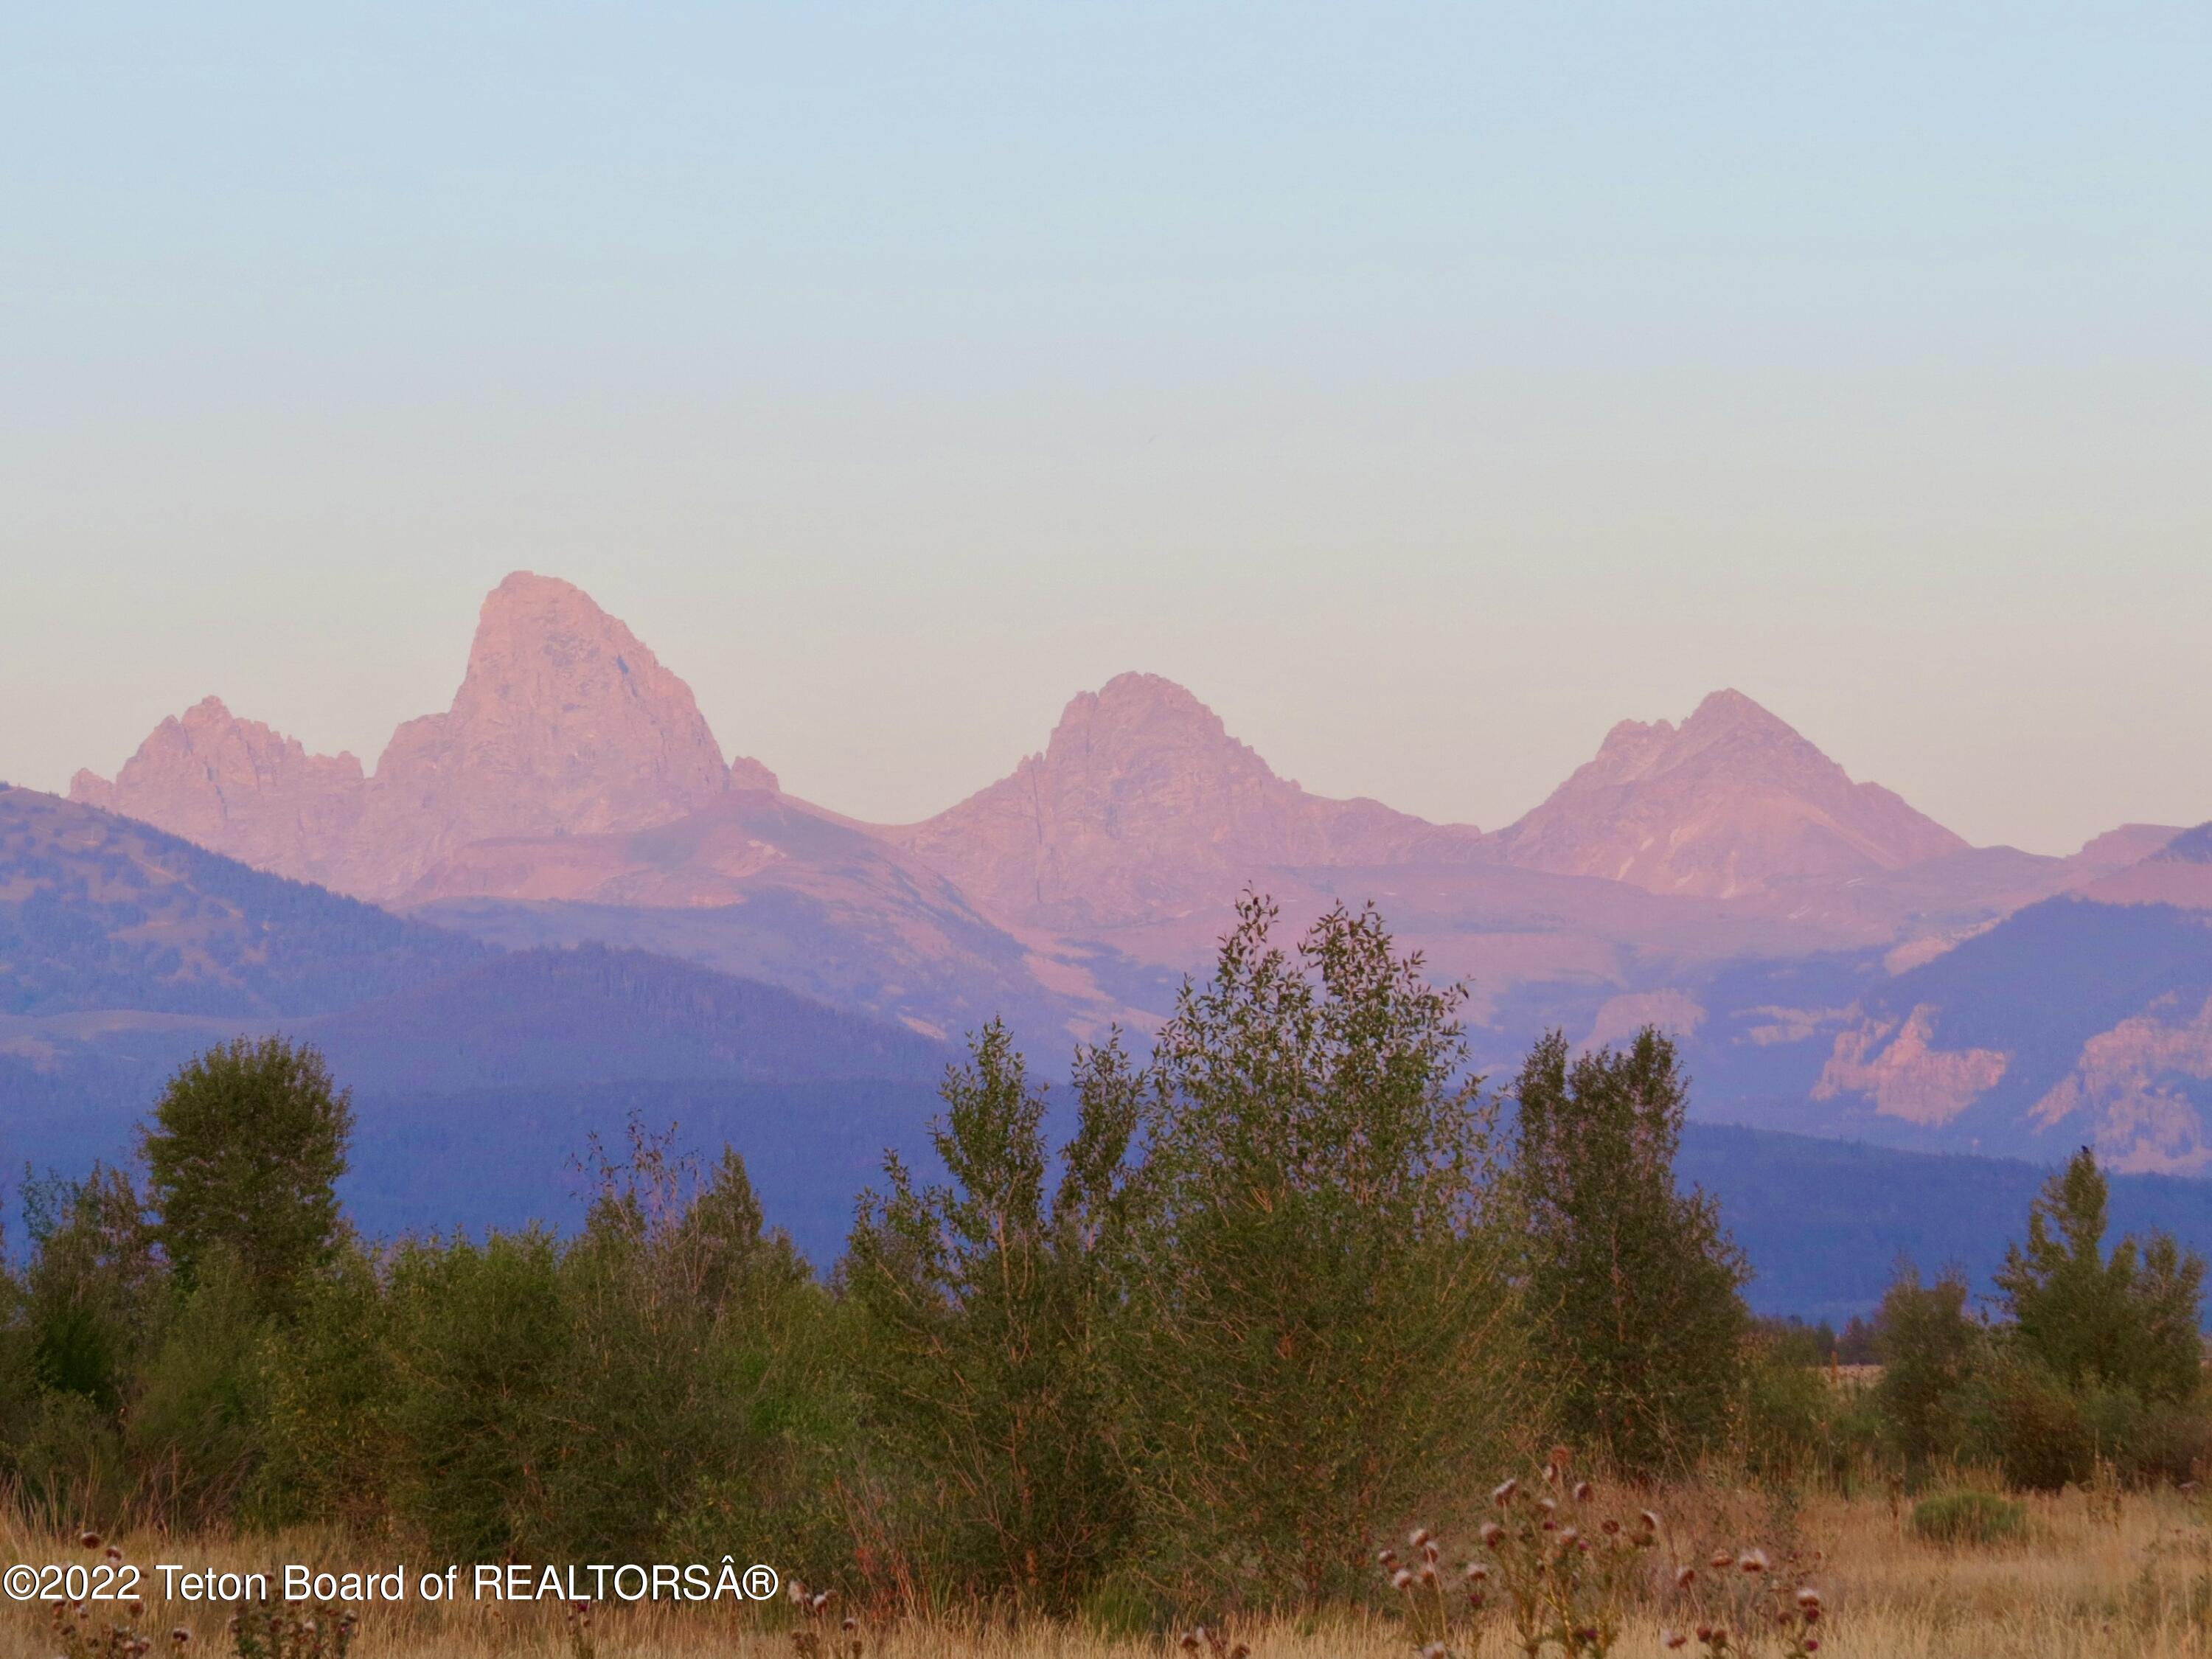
1732	802
1141	808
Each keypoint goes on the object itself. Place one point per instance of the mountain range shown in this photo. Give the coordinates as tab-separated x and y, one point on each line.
479	1074
1833	960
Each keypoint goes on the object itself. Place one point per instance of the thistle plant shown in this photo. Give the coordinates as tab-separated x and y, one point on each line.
824	1633
276	1633
1428	1598
1212	1641
1746	1607
1565	1568
80	1636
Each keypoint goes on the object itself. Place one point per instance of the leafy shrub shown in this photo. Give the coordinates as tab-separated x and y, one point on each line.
1791	1423
2174	1443
2032	1426
1968	1518
1317	1318
1928	1347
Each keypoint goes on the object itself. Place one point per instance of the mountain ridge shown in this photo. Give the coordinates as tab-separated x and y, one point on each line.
564	723
1142	806
1732	803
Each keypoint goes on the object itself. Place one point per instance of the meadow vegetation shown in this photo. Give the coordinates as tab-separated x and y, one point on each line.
1303	1342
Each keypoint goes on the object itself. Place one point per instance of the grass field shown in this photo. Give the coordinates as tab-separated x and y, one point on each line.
2086	1576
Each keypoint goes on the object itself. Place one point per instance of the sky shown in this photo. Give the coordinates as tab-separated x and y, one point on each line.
1427	387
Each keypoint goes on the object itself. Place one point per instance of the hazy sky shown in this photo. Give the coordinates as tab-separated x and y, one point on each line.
1427	387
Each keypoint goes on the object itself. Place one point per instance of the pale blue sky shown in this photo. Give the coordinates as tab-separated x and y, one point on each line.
1428	388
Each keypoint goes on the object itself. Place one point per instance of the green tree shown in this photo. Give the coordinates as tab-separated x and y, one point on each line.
328	1391
982	1303
1633	1286
244	1153
1317	1331
2131	1321
479	1339
195	1427
1927	1347
683	1324
89	1302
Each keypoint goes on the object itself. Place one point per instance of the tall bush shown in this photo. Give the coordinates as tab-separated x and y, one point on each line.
1316	1331
981	1301
1633	1284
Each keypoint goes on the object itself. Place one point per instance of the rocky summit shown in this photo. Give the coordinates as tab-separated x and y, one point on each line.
565	723
240	788
1142	807
1731	802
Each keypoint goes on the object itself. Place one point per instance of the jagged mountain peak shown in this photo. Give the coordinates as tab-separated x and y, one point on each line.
564	723
1142	807
236	786
1734	801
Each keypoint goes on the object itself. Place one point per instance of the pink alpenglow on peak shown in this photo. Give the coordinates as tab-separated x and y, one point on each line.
564	723
1731	802
238	787
1141	808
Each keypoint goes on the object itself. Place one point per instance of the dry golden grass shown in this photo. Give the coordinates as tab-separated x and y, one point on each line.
2079	1582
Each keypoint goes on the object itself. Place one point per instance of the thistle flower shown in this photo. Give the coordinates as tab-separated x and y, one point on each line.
1808	1597
1649	1519
1753	1561
1684	1577
1418	1537
1477	1571
89	1539
1402	1579
1672	1638
1720	1558
1582	1491
1491	1534
1386	1557
181	1636
1504	1492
